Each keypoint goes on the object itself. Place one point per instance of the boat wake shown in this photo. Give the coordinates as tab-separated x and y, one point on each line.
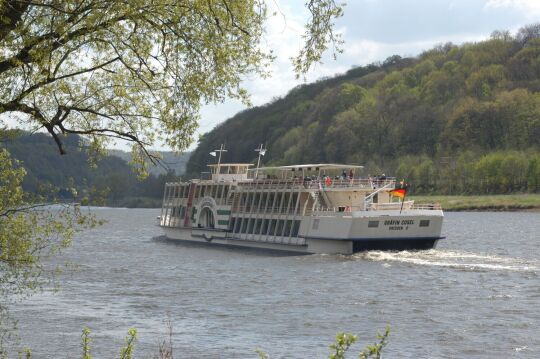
453	259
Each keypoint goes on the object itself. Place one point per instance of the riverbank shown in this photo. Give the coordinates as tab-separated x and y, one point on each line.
510	202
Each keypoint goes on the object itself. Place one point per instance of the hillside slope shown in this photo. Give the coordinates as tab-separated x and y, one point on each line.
425	118
71	177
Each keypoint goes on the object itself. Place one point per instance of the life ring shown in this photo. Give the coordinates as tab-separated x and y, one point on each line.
328	181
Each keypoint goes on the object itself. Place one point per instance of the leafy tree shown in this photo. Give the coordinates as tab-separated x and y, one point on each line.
109	70
121	69
29	233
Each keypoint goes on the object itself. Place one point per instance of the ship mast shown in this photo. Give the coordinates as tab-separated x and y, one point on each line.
261	151
213	153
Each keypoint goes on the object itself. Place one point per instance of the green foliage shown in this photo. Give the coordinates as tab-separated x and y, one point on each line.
31	230
147	65
71	178
429	119
127	351
375	350
341	345
261	354
85	343
343	342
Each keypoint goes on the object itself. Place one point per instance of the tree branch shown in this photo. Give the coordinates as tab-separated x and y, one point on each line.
10	13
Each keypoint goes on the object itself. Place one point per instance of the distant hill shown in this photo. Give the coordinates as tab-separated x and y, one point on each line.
172	161
111	182
448	119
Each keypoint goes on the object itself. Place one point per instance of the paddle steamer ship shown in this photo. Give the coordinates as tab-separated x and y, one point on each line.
310	208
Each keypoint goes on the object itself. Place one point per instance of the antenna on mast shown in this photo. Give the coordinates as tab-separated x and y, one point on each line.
213	153
261	151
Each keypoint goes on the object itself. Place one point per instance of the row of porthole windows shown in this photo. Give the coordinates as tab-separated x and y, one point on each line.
271	227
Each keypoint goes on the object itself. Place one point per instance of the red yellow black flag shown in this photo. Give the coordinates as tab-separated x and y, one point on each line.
399	192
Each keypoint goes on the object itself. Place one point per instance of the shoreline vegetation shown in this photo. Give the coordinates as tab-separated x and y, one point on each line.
498	203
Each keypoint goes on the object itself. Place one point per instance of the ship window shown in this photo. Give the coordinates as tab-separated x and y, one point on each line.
296	228
315	225
288	226
244	225
265	226
272	227
242	199
373	224
238	225
271	198
286	198
250	226
232	223
424	223
249	199
279	228
279	196
182	212
258	225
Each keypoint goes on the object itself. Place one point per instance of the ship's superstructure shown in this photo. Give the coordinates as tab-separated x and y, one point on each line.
310	208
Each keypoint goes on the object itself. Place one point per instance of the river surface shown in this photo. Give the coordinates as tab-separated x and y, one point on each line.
476	296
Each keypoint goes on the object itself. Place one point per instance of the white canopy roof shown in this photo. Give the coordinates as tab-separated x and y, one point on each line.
231	165
316	166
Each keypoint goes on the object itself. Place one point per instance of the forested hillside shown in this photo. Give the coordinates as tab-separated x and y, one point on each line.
455	119
71	177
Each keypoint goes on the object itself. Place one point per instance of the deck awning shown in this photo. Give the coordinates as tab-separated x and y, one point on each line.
313	167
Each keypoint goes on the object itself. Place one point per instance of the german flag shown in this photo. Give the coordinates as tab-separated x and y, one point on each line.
399	192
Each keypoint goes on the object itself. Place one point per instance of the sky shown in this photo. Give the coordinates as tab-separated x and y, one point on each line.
373	30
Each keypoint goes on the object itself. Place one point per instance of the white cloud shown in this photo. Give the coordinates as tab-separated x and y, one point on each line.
529	8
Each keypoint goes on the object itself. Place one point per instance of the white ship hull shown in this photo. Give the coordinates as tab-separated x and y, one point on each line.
346	234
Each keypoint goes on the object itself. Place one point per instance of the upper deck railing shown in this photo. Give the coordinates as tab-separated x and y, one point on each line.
318	183
407	205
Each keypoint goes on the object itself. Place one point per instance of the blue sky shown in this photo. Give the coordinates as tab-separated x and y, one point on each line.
374	30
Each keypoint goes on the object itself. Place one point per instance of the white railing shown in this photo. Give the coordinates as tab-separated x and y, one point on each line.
318	183
428	206
269	210
390	206
407	205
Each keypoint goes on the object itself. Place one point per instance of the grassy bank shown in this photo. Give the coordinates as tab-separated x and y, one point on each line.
510	202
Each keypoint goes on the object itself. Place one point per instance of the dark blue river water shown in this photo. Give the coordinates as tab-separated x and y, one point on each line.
476	296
